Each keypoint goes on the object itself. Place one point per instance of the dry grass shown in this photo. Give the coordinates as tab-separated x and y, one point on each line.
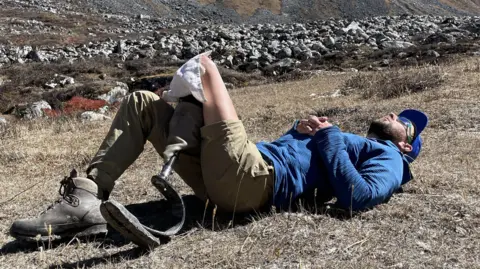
435	223
471	6
396	83
148	74
64	29
248	7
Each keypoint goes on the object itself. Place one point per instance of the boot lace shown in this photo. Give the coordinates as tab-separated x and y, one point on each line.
66	188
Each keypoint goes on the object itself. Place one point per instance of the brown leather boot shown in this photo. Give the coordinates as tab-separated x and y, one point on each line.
76	213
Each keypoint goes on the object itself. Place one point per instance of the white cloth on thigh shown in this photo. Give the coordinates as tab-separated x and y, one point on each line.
187	80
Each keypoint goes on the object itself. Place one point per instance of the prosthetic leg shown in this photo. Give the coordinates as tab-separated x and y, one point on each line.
184	135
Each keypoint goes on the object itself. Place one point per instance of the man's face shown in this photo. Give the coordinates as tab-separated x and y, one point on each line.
388	128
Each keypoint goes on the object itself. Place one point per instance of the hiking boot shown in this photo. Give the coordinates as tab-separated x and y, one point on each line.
76	213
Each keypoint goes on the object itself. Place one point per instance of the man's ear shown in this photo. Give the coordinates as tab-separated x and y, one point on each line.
404	147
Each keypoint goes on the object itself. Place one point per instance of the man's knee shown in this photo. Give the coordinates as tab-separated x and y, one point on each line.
141	97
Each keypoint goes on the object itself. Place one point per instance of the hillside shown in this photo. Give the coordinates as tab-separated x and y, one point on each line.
434	223
286	10
251	11
63	60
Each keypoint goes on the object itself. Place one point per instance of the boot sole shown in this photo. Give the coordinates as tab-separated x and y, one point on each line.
99	229
127	224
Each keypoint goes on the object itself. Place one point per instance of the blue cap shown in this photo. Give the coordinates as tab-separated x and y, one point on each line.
420	121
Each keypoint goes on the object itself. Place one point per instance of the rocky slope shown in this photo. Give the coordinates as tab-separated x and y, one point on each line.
257	11
79	34
264	46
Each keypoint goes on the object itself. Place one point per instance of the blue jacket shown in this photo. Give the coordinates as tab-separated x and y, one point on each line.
360	172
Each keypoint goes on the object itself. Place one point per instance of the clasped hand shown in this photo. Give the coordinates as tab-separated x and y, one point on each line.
312	125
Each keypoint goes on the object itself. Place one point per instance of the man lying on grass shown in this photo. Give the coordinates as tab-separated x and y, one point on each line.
222	165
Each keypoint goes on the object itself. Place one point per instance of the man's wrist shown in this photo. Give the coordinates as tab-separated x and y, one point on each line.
326	131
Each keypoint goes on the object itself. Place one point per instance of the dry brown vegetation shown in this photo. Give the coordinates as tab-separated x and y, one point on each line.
248	7
26	83
392	84
70	29
465	5
434	223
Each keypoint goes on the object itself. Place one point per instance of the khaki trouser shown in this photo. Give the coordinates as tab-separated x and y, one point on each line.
230	170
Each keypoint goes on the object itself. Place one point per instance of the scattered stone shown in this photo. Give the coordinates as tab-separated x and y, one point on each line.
440	37
116	94
93	116
120	47
35	56
337	93
433	54
285	53
103	110
51	85
397	45
250	47
280	67
144	17
31	111
65	80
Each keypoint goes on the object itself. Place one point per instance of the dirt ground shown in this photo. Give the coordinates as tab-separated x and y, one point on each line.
434	223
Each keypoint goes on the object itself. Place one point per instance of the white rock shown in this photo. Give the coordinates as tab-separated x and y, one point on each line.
337	93
64	80
103	110
35	110
144	17
397	44
116	94
93	116
51	85
352	26
3	124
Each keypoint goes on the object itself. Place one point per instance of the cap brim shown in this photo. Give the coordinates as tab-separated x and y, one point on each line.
416	117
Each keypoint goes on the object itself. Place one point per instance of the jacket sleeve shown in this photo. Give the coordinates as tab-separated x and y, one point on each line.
372	182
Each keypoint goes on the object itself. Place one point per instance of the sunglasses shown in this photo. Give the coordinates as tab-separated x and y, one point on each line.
409	129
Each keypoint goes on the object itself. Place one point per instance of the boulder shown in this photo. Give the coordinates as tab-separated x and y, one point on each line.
116	94
120	47
280	67
396	45
31	111
329	41
318	46
36	56
284	53
440	37
2	80
352	27
65	80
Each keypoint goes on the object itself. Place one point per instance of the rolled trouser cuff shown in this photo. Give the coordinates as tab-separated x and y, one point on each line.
103	180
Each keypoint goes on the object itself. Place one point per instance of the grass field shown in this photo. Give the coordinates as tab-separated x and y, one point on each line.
434	223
